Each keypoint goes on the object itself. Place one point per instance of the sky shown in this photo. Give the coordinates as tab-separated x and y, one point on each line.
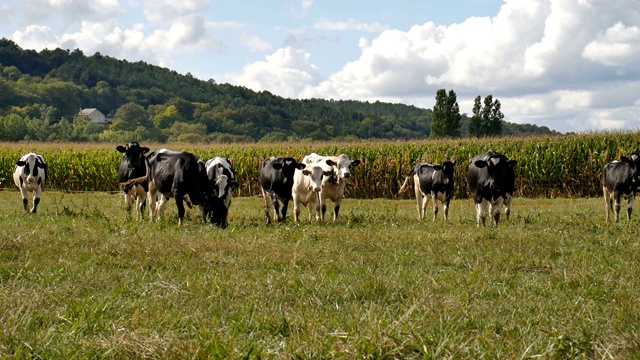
570	65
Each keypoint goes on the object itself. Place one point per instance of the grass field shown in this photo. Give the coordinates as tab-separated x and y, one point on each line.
82	280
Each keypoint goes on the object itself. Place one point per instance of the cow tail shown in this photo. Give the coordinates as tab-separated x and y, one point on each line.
406	182
125	186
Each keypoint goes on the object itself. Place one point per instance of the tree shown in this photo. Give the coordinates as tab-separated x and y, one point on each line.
491	117
130	116
445	117
475	124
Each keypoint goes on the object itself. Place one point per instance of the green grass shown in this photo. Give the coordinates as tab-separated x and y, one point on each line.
82	280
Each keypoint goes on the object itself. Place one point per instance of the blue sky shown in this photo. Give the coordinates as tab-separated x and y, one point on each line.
571	65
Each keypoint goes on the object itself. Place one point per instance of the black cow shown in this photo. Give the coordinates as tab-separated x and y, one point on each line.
620	179
132	176
276	181
179	175
432	181
223	181
491	179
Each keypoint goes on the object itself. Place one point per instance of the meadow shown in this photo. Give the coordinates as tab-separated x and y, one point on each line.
81	279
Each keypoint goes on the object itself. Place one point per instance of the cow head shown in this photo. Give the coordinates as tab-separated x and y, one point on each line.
316	173
634	165
448	168
31	163
133	154
342	166
222	184
499	169
288	167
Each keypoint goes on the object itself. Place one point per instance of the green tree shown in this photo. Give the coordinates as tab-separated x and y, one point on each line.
492	117
475	124
445	117
129	117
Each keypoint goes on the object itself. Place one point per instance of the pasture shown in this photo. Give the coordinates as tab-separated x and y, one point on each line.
82	280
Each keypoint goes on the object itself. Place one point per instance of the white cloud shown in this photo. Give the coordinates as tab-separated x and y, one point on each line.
36	37
351	24
167	11
286	72
306	4
619	45
254	43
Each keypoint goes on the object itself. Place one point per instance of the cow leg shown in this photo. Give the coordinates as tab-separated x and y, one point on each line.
608	202
180	205
435	205
276	207
285	205
616	207
630	205
322	207
481	211
495	209
141	200
507	205
419	201
296	210
25	202
36	199
446	209
267	206
162	204
336	208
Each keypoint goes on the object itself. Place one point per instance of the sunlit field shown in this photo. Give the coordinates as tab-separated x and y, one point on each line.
81	279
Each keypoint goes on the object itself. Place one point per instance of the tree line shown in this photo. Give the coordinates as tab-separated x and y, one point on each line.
42	93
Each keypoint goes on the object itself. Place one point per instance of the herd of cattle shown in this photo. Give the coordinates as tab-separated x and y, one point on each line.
155	178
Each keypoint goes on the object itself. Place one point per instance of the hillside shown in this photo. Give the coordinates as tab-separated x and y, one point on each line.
43	91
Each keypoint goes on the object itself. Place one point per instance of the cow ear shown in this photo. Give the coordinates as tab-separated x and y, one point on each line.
512	163
355	163
330	162
327	173
41	165
480	163
121	149
145	150
306	172
624	159
21	163
300	166
234	185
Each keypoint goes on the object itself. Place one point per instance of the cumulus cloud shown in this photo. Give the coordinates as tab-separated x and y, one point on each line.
619	45
254	43
166	11
351	24
285	72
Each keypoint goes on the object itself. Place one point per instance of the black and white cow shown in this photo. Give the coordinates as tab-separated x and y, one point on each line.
223	181
491	179
276	182
29	176
620	179
180	175
333	186
132	176
307	184
432	181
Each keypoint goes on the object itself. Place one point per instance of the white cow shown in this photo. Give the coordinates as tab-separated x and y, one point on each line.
223	180
29	176
307	184
332	186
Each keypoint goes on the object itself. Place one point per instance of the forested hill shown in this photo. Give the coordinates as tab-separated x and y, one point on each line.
42	93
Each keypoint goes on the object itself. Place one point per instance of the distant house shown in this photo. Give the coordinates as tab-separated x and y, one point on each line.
94	114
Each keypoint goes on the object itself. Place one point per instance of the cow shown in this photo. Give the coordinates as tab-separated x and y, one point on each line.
29	176
432	181
307	184
180	175
491	179
223	181
133	177
276	182
620	180
334	185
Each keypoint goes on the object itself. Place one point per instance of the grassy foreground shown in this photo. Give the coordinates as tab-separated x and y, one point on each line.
81	280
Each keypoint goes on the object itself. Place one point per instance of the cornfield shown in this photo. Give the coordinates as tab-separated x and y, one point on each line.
565	166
